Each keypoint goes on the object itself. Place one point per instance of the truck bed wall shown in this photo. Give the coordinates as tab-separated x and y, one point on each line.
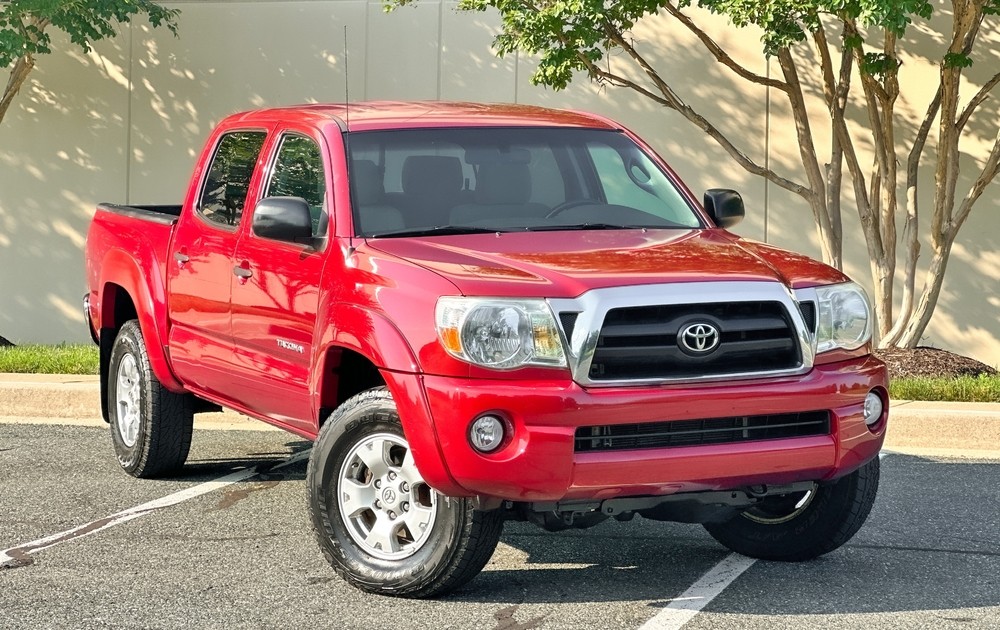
128	247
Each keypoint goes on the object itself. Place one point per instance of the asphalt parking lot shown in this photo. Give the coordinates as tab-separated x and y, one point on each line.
242	556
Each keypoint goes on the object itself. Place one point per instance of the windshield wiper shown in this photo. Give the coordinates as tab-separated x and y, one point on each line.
586	226
439	230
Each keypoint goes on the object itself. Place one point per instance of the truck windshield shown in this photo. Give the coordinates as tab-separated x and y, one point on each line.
446	181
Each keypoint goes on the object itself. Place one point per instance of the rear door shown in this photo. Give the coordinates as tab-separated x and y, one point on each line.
200	262
275	300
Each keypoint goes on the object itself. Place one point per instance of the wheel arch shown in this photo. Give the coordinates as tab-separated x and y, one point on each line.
125	293
366	350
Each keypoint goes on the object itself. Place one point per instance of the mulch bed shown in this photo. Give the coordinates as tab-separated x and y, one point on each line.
924	362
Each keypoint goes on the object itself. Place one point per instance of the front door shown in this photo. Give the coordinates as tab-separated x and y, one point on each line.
275	299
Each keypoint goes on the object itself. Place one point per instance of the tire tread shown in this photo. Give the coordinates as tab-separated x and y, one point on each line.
478	534
168	416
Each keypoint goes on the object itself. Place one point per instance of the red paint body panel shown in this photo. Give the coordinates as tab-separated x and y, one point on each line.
130	253
215	335
540	463
510	264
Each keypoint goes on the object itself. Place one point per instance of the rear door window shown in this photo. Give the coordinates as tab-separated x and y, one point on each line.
224	192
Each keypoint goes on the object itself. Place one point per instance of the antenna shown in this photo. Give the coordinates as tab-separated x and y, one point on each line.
347	83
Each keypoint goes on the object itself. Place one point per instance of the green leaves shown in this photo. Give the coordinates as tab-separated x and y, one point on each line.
957	60
879	64
24	23
566	34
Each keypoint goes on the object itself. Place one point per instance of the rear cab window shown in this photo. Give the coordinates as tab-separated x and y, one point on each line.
224	191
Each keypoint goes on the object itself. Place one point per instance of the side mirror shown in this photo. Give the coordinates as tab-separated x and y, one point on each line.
724	206
283	219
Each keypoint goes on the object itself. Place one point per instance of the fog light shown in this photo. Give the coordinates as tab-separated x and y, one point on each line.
486	433
873	408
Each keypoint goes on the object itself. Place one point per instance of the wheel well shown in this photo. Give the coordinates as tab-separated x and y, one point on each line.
117	309
346	373
119	305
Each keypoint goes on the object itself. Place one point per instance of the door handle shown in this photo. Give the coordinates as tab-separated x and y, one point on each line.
181	257
242	272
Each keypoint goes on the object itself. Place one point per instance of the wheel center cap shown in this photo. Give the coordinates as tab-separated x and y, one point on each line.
389	496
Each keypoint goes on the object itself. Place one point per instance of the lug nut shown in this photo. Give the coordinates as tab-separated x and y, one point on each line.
406	506
405	487
378	483
392	476
378	504
392	514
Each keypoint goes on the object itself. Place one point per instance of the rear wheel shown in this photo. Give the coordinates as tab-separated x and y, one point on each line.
150	425
803	525
378	523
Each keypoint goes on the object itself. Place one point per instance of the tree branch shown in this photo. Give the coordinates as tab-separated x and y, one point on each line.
977	100
721	55
807	153
671	99
986	175
965	29
22	66
601	75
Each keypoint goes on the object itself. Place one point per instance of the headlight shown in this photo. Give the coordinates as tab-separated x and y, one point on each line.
498	333
844	317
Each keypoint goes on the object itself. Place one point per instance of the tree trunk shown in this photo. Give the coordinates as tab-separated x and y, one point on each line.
830	243
915	328
18	74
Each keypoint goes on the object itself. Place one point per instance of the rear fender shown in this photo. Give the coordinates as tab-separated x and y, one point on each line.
147	294
373	336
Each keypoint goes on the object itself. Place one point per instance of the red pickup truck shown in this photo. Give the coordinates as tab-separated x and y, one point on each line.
482	313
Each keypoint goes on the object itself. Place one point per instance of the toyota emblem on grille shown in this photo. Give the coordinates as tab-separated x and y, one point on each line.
699	338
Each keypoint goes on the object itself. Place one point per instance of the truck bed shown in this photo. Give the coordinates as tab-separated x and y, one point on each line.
165	214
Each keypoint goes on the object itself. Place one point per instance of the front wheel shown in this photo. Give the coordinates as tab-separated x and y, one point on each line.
803	525
378	523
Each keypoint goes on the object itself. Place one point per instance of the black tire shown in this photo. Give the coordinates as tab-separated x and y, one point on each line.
776	529
458	543
151	426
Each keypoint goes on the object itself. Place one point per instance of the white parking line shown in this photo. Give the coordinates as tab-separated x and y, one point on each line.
20	555
685	606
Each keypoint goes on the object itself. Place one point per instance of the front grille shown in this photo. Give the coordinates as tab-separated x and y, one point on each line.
641	342
621	437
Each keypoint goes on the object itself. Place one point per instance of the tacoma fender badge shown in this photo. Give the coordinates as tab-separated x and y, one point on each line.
288	345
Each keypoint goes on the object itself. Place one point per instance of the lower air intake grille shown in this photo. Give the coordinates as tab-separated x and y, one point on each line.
620	437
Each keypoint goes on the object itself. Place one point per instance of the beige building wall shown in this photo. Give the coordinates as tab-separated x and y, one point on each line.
125	122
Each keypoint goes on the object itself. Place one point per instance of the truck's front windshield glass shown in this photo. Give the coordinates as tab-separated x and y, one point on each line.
447	181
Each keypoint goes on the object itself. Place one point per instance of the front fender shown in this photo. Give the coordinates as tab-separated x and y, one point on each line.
373	336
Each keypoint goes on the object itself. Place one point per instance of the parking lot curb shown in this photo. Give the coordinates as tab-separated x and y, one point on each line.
76	400
69	399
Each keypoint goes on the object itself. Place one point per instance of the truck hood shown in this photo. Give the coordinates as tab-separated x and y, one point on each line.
567	264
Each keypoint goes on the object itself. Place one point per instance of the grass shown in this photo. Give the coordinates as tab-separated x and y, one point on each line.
962	389
40	359
82	359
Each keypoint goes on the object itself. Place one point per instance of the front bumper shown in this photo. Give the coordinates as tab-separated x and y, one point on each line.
539	463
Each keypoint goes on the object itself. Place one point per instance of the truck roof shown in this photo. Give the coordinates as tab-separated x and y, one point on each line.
381	115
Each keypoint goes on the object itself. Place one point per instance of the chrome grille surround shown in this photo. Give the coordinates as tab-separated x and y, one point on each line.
594	305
